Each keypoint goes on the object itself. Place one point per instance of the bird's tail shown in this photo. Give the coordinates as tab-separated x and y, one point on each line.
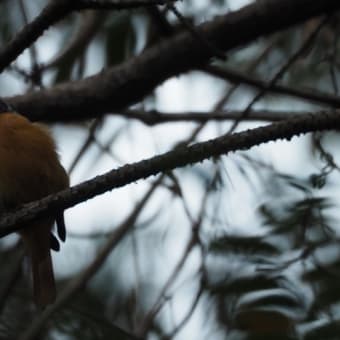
44	289
38	245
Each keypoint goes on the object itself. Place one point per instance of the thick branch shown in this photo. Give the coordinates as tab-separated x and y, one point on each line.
168	161
119	87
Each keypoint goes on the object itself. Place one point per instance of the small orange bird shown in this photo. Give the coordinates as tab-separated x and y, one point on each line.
30	170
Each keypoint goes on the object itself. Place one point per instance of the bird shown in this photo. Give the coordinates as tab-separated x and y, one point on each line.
30	169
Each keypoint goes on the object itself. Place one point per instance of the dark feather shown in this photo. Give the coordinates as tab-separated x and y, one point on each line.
54	243
61	229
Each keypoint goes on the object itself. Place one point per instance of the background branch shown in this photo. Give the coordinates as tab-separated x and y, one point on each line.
124	85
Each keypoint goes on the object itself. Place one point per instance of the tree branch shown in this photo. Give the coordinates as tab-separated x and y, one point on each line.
154	117
118	87
301	93
179	157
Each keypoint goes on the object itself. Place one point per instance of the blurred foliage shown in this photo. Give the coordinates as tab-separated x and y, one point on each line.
292	274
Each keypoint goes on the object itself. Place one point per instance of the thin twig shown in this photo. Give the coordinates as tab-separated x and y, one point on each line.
283	69
144	327
35	74
86	144
193	241
187	316
301	93
215	51
155	117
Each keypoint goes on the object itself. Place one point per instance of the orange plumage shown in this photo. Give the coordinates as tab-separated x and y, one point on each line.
29	170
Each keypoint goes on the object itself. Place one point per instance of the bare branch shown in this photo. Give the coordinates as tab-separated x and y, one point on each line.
118	87
155	117
179	157
301	93
283	69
